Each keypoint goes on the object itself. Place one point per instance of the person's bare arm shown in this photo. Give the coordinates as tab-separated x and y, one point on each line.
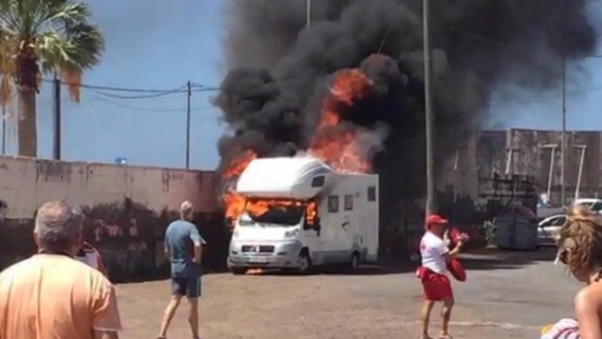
587	308
456	250
166	243
197	242
198	252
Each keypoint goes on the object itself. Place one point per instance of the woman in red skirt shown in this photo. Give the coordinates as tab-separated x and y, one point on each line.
432	273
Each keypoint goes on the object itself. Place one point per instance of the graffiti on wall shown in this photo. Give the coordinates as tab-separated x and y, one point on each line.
128	234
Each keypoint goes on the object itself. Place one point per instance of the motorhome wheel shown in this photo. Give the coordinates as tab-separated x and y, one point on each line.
355	261
304	263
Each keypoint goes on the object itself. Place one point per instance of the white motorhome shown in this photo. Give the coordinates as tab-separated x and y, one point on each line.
300	213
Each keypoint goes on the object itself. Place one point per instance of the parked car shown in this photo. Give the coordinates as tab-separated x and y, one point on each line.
548	229
545	210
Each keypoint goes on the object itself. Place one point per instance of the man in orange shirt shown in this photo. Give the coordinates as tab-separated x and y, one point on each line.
53	296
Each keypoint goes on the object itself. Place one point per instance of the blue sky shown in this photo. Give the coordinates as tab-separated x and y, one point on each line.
158	44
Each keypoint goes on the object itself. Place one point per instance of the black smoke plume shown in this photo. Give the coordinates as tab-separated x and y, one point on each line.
280	69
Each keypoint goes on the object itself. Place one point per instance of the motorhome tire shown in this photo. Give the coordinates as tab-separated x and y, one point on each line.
354	263
304	263
238	270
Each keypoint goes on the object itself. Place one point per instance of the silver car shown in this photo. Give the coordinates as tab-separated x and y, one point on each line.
548	229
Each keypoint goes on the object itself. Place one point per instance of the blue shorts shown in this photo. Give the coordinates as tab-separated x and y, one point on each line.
190	287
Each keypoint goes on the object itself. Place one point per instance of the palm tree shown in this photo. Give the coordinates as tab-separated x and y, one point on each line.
43	37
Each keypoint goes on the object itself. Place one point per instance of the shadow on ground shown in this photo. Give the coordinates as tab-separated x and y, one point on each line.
364	270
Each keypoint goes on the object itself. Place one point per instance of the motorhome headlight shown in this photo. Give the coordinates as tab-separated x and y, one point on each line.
291	233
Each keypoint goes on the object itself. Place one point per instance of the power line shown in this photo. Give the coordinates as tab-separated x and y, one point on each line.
145	109
130	97
118	89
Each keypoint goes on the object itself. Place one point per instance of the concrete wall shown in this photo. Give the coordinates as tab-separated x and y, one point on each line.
128	208
488	152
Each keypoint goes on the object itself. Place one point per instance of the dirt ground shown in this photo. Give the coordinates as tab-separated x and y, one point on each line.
509	295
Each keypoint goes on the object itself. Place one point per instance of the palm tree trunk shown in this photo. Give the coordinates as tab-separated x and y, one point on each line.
26	124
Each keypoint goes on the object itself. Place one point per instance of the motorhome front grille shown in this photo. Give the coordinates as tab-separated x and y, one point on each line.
258	249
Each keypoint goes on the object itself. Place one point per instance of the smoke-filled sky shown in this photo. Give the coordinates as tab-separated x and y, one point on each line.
160	45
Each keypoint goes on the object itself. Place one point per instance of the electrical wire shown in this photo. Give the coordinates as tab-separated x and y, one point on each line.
116	89
144	109
136	97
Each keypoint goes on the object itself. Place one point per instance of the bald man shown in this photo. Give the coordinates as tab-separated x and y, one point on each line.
183	247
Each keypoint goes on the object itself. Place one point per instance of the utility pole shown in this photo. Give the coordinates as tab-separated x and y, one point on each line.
188	108
3	118
428	110
308	13
56	113
563	136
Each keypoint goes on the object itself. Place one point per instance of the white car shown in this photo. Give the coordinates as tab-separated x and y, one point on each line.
548	229
544	210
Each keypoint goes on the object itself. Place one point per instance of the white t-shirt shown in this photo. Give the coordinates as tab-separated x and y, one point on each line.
432	249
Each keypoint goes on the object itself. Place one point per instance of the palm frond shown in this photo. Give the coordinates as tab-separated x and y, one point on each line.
70	54
61	14
64	41
7	65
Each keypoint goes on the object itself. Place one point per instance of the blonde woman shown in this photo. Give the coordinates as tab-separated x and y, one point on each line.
580	249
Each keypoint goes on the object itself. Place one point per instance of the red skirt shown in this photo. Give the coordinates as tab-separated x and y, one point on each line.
437	287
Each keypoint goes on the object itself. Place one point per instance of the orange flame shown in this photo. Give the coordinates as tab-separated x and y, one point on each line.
258	207
234	202
330	143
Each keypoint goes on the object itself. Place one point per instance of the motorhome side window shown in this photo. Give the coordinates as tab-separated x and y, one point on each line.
318	181
333	204
348	202
372	193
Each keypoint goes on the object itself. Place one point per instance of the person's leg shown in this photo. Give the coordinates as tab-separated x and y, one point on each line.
178	289
193	294
429	295
427	307
448	304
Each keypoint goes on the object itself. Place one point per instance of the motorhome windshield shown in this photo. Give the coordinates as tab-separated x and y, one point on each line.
276	212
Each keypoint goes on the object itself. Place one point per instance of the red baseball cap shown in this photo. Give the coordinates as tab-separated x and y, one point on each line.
435	219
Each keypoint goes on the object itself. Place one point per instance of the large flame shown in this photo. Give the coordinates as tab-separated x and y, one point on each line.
258	207
234	202
330	143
